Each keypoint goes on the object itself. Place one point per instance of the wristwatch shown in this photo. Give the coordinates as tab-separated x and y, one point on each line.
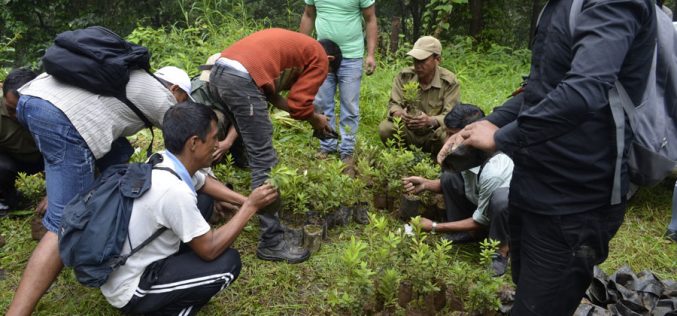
432	231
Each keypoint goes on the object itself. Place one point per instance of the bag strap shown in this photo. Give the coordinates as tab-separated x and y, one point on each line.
146	122
121	260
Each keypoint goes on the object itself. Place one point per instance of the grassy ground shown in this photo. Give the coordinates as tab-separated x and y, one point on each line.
266	288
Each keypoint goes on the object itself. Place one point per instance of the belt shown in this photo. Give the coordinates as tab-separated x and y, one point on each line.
230	70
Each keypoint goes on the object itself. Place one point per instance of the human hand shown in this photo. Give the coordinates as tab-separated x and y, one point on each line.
262	197
426	224
222	148
370	65
414	185
419	122
41	208
398	113
449	145
480	135
320	124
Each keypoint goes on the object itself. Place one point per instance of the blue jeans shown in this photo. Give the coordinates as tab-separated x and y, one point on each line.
69	164
349	77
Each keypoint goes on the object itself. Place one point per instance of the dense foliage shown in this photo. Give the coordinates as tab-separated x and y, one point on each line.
357	264
28	26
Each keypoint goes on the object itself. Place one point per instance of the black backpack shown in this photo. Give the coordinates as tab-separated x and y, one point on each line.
95	223
99	61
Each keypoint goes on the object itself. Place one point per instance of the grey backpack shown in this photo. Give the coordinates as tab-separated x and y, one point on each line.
653	152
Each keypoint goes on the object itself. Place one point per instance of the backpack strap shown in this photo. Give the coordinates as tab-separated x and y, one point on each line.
122	259
143	118
137	111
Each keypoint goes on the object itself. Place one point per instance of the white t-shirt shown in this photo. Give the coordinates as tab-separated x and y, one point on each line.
168	203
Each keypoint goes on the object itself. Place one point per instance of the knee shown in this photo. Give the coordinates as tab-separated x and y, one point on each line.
498	204
231	262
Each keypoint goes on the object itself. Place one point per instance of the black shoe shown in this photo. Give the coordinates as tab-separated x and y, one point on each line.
671	234
499	264
283	252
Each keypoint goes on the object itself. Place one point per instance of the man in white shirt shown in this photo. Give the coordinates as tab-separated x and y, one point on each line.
77	132
160	278
476	199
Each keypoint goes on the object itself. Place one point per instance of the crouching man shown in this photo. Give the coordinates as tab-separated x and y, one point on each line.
476	200
160	279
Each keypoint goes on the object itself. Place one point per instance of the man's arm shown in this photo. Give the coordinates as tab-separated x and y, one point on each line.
212	244
371	28
415	185
220	192
602	38
227	143
307	20
463	225
396	96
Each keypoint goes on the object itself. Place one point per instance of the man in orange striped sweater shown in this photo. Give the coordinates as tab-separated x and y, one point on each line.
253	72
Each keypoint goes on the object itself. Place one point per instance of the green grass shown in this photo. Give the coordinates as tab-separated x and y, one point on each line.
266	288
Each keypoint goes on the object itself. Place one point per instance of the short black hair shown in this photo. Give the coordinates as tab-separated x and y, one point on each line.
185	120
16	79
462	115
332	49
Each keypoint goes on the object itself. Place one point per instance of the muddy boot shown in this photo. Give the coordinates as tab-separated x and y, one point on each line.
349	170
272	245
283	251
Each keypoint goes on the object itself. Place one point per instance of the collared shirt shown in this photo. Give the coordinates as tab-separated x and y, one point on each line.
496	173
436	100
180	170
15	140
559	131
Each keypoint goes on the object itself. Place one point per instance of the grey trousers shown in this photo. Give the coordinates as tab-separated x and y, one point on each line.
238	93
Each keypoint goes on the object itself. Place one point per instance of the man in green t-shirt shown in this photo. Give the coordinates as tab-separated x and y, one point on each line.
342	22
18	152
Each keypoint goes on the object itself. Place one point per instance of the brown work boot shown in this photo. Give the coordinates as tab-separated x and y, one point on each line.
322	155
349	170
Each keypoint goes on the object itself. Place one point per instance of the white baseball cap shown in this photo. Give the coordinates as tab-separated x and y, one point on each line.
175	76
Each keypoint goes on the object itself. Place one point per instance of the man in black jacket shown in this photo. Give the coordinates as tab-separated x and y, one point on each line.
560	134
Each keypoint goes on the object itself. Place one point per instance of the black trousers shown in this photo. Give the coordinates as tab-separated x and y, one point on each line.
458	207
182	284
9	169
553	256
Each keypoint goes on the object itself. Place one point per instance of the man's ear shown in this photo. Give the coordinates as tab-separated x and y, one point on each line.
331	58
192	142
